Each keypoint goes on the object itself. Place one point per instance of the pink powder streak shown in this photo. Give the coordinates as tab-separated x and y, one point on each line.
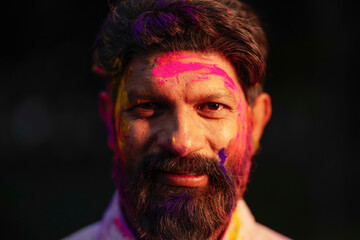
171	69
122	227
161	82
98	70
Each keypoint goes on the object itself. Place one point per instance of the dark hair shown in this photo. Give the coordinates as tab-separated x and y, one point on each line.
136	28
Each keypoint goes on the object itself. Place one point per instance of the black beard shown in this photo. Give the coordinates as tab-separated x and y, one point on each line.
169	212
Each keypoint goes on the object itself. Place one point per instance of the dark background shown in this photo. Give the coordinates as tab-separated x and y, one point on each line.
55	172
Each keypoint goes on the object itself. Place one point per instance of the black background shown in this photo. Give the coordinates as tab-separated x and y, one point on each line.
55	167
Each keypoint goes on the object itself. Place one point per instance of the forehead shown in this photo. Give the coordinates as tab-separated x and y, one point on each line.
191	61
185	68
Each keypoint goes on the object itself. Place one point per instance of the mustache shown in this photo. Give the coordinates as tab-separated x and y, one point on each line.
193	164
165	162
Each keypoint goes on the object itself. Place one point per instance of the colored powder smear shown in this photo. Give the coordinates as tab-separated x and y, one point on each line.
171	69
98	70
161	82
122	103
170	65
122	228
222	156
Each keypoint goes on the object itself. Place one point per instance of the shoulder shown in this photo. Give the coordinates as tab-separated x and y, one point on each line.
243	226
264	233
87	233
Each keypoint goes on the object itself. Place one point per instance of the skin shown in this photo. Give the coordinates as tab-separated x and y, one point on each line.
182	103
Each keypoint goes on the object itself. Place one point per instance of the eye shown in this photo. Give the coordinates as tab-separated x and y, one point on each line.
213	106
146	105
146	110
213	110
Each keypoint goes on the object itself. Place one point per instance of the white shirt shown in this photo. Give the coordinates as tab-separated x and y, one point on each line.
114	227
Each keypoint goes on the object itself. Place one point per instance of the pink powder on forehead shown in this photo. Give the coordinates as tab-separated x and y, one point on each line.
172	64
174	68
161	82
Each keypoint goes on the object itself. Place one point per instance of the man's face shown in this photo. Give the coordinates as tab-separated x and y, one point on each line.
183	142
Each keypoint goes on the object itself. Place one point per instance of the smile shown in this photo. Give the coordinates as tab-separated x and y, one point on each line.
183	179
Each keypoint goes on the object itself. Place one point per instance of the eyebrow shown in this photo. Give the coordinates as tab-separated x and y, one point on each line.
214	96
145	94
134	95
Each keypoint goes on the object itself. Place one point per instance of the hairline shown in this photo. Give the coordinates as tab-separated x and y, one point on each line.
122	74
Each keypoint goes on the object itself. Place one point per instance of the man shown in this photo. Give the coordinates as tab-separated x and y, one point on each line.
184	112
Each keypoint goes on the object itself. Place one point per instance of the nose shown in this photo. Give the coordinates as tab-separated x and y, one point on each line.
182	134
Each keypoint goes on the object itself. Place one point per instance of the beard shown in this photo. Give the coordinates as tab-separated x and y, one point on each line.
173	212
169	212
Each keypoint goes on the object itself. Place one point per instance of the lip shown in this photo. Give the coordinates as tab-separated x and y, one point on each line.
183	179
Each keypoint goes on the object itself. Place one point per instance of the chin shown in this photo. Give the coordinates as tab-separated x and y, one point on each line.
162	211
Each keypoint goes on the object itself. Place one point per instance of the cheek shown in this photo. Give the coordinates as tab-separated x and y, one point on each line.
242	127
219	133
239	142
122	125
131	143
137	135
122	128
223	135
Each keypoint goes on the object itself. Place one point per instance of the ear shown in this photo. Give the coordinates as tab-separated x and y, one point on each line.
106	113
261	113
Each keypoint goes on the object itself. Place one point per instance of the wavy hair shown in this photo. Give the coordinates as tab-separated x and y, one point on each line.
137	28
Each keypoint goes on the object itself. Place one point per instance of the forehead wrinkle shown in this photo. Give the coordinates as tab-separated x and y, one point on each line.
140	74
173	68
137	94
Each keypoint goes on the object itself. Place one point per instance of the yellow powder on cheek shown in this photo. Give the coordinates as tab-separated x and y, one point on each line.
122	125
